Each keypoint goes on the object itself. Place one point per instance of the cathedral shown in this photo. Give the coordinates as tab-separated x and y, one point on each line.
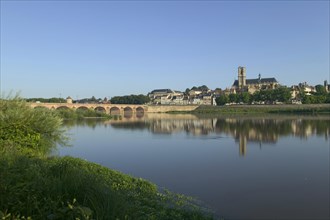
252	85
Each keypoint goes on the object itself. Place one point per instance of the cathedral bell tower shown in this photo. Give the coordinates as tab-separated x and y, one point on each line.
241	77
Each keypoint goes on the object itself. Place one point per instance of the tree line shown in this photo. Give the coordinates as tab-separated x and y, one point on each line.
281	94
46	100
320	96
130	99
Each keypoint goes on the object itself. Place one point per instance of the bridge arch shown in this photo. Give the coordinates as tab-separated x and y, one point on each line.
100	109
139	112
62	107
114	111
82	108
128	112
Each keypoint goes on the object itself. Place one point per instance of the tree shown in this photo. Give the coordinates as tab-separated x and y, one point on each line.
46	100
203	88
93	99
327	98
222	100
218	90
282	94
320	90
233	98
131	99
244	97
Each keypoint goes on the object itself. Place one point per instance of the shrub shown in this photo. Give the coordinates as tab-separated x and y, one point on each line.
29	130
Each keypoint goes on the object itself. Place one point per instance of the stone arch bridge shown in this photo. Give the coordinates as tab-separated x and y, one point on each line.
112	109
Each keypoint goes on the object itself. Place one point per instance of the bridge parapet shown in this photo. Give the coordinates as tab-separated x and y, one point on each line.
118	109
115	109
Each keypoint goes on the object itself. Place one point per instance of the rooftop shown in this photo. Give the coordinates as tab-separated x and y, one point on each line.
257	81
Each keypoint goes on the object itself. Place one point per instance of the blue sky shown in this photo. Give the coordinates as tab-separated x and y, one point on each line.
109	48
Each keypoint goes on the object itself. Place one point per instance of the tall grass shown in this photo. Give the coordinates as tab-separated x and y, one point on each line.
70	188
29	130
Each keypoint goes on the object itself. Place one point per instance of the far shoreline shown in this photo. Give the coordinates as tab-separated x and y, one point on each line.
257	109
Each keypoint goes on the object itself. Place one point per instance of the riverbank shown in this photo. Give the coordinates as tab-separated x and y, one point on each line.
71	188
257	109
36	185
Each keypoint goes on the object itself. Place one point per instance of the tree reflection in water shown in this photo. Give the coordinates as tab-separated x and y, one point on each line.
262	129
266	129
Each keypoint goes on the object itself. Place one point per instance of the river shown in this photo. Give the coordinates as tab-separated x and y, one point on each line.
242	167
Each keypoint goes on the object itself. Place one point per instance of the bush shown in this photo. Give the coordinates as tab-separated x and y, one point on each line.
29	130
80	114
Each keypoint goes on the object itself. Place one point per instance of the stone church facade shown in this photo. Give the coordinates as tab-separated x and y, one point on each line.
252	85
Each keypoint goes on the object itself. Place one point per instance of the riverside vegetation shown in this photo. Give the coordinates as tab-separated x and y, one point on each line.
70	114
35	185
265	109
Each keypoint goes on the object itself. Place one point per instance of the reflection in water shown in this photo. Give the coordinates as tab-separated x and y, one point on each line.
92	122
203	157
243	129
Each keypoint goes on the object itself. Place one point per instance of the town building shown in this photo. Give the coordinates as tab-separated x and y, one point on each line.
166	97
172	97
69	100
297	90
194	93
202	99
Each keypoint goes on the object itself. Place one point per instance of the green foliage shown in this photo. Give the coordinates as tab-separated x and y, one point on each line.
67	113
29	130
93	99
203	88
69	188
233	98
131	99
257	109
10	216
244	97
320	90
318	97
45	100
222	100
270	96
314	99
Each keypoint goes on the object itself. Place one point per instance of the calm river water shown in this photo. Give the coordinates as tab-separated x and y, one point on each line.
265	167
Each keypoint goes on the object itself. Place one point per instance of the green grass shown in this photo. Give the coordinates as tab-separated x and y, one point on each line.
70	188
257	109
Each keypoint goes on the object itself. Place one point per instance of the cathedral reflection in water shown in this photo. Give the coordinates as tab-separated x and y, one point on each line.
245	130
